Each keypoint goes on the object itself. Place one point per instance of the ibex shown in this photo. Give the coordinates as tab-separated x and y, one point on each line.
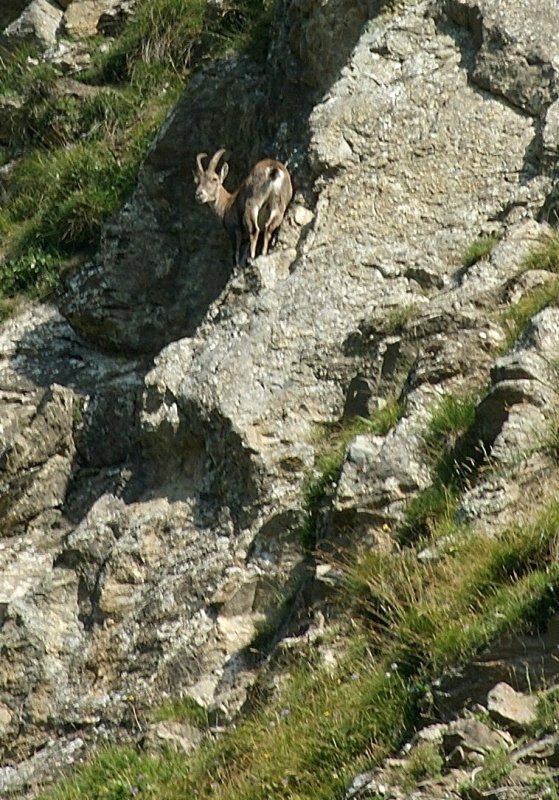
258	205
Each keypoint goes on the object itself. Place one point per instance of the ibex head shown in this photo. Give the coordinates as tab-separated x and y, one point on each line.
208	181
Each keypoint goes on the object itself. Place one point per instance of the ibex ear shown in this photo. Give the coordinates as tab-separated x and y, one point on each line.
196	178
224	171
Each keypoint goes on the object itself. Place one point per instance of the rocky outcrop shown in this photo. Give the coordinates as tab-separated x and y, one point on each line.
37	26
45	24
152	498
514	57
487	734
467	758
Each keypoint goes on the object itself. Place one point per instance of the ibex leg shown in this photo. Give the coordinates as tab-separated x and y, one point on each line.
273	222
251	223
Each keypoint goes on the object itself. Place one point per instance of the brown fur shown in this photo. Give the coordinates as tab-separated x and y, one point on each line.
258	206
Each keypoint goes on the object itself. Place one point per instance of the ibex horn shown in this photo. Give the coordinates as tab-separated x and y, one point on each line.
215	159
199	158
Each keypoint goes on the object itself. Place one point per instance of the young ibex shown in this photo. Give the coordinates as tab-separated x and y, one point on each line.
258	205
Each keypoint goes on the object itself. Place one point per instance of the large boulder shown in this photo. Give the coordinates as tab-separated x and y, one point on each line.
37	25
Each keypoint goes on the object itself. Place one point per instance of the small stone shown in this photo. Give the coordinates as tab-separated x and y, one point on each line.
303	216
432	733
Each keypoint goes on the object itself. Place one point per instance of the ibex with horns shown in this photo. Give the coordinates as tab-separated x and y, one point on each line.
258	205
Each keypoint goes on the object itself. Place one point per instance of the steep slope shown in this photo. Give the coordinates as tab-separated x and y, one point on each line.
153	511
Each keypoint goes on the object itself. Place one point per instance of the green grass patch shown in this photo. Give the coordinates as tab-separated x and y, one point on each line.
22	70
517	317
60	199
451	418
547	713
430	514
409	623
56	119
335	437
545	255
161	31
185	709
175	34
478	250
496	767
35	272
423	761
438	613
454	453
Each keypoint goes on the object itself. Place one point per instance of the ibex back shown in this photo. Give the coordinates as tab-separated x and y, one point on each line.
258	205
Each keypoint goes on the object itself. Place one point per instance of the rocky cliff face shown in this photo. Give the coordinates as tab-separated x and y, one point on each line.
156	437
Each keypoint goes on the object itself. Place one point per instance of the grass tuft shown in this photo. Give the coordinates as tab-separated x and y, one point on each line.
453	451
479	249
424	761
497	765
545	255
547	713
185	709
430	514
517	317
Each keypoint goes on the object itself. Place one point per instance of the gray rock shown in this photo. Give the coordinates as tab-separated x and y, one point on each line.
472	736
178	737
545	749
517	47
511	707
37	25
42	765
89	17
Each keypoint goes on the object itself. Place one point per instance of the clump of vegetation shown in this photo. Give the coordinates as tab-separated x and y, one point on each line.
409	623
452	448
517	317
82	153
397	318
334	437
174	34
185	709
547	713
545	255
424	761
430	514
21	71
479	249
450	420
496	767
